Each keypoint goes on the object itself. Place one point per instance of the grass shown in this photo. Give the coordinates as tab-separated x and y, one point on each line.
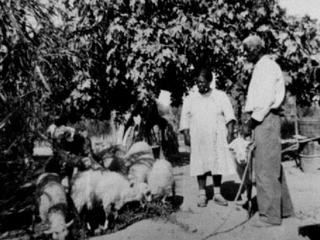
151	210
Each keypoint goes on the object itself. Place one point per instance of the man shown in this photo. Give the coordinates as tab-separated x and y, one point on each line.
265	95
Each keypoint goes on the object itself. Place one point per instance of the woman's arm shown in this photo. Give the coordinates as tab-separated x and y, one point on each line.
186	134
230	127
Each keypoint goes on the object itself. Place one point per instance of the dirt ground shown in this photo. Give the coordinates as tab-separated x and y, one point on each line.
226	223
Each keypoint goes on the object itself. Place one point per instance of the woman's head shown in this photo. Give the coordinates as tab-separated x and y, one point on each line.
204	80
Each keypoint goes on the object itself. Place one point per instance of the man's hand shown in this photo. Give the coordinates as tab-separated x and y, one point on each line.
230	137
249	126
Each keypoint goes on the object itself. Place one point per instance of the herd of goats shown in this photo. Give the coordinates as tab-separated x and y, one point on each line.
100	182
107	179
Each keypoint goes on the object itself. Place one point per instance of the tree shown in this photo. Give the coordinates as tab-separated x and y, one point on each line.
87	58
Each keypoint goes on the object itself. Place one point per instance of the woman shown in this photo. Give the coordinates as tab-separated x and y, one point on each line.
207	122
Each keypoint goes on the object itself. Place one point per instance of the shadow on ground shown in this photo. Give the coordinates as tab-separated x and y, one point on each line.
229	190
310	231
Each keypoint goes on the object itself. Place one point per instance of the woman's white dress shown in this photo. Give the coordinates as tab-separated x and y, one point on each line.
207	116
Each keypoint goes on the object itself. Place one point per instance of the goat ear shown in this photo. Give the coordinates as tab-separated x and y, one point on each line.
231	147
252	145
69	223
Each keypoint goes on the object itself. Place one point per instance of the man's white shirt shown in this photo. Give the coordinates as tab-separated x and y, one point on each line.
266	89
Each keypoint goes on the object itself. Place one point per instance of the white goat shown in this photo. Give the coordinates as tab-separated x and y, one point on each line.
53	205
161	180
105	187
241	150
139	161
139	171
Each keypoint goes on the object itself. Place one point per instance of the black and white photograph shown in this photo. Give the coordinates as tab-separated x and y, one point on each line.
159	120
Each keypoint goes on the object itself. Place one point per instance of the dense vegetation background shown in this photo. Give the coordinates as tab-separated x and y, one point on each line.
87	58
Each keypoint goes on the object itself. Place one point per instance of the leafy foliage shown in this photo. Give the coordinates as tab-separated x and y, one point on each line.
84	59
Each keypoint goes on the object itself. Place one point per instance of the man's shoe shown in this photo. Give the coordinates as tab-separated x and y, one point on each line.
262	224
256	221
219	199
202	200
290	215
